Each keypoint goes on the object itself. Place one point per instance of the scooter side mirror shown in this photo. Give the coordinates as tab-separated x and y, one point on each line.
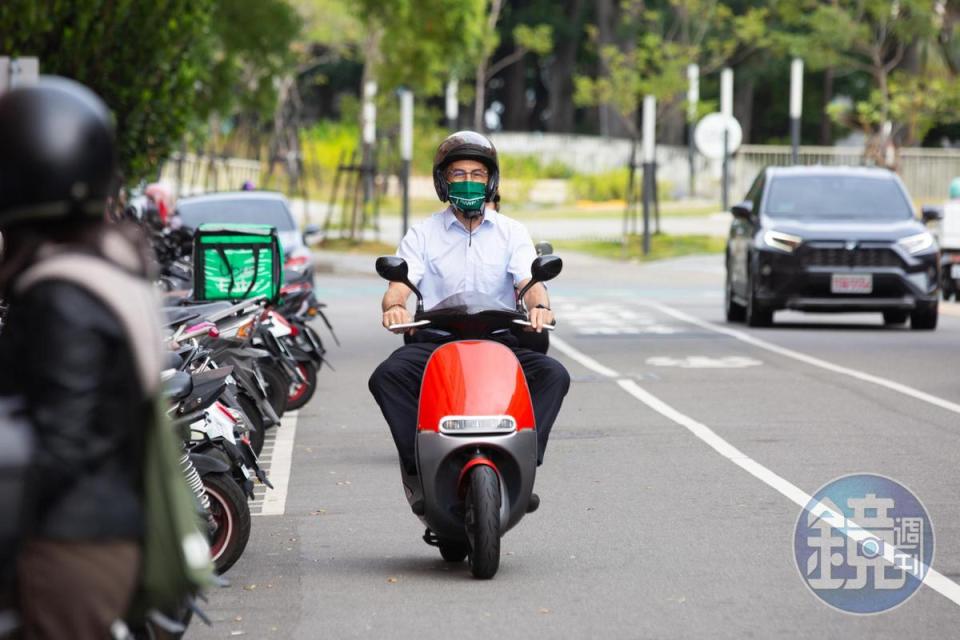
546	267
931	213
543	248
543	268
394	269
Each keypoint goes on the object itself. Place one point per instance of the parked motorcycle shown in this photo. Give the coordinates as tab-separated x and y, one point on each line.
476	442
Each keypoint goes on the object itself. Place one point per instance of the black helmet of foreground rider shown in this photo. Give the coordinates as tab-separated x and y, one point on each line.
68	371
467	247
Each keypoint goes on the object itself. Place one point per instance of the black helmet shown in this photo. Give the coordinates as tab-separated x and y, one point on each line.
57	156
465	145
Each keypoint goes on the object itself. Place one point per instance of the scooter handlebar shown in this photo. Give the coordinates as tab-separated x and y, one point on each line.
408	325
526	323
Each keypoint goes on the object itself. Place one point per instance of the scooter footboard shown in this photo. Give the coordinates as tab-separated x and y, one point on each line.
441	458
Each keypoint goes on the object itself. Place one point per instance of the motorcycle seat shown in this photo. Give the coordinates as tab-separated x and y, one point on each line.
178	386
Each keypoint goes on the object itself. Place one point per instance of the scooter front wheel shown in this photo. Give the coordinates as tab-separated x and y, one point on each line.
483	522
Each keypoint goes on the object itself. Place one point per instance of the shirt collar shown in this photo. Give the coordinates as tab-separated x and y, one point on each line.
489	215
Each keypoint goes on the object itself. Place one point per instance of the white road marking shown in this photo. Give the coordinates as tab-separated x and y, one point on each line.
275	500
811	360
704	362
933	579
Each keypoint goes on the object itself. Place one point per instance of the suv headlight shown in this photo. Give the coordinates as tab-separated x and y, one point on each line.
782	241
916	243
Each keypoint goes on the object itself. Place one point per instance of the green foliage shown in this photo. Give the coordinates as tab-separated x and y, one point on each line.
611	185
145	59
423	41
162	67
668	37
253	52
537	39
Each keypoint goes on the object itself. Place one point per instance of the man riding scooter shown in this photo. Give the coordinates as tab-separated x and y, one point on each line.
468	247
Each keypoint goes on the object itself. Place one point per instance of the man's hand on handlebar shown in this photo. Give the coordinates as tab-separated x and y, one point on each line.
396	314
540	317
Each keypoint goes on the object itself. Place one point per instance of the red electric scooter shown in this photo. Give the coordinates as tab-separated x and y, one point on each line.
476	448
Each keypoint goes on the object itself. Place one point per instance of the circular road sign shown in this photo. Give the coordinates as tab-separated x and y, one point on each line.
708	135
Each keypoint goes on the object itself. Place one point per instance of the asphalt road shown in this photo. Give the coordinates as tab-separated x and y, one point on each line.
669	485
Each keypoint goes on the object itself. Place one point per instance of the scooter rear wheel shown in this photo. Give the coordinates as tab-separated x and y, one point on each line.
483	522
229	508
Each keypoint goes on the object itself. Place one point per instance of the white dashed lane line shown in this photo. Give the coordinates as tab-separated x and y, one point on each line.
933	579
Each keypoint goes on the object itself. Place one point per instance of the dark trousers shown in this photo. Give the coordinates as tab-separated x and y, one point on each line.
395	385
73	589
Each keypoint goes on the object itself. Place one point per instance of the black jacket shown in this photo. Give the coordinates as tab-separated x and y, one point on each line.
66	355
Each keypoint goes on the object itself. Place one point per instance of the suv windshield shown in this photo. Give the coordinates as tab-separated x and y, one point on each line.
239	211
839	196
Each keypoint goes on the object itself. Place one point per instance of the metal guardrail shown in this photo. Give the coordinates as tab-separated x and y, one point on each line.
926	172
190	173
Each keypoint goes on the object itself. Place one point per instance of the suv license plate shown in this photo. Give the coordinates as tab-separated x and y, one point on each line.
955	271
846	283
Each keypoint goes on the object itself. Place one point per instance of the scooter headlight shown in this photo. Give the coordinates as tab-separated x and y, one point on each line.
475	425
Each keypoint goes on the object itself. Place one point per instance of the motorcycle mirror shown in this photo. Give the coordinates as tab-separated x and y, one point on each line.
543	268
394	269
543	248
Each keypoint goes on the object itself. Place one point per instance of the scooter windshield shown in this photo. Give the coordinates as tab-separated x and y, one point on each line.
471	315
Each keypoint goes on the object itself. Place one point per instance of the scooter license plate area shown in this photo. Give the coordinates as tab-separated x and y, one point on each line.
477	425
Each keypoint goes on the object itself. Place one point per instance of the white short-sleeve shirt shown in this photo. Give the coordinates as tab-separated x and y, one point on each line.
444	259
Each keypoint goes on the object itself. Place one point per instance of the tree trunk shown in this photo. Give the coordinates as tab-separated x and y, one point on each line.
743	106
826	128
560	80
480	87
515	96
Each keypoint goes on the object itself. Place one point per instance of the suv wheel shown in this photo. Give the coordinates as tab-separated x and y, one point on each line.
756	314
924	317
735	312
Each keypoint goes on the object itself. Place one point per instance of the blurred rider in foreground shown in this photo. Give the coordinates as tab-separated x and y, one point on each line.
68	367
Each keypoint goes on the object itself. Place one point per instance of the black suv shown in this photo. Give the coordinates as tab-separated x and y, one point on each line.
831	239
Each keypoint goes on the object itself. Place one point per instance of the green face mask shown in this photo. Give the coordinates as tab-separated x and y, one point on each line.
468	196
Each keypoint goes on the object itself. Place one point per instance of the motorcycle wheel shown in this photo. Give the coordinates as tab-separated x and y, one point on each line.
252	412
453	550
301	392
229	508
278	385
483	522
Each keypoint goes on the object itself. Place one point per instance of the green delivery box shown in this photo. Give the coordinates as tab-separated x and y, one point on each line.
236	261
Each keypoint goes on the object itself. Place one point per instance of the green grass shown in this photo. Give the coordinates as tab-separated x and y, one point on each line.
661	246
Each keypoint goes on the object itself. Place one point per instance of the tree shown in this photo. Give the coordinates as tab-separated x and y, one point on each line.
879	39
664	38
145	59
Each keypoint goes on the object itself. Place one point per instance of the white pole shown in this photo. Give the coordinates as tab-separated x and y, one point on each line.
796	106
649	128
649	158
452	103
726	92
726	108
369	113
693	98
406	150
406	124
693	91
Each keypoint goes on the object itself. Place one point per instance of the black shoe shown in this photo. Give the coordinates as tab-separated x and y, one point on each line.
418	508
534	503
